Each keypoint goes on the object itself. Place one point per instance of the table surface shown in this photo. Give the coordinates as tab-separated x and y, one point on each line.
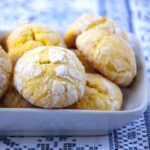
132	16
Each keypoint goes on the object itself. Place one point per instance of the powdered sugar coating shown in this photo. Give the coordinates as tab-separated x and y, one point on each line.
75	74
39	49
71	93
56	56
53	82
1	61
22	64
88	22
30	69
58	91
109	54
100	94
19	83
72	63
114	105
73	60
110	88
27	36
81	88
61	70
5	71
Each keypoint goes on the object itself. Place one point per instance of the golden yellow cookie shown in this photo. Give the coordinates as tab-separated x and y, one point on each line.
5	71
100	94
109	54
28	36
88	67
91	21
50	77
13	99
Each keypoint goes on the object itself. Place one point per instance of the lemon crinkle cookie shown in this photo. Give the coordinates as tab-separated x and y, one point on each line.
13	99
85	63
28	36
100	94
5	71
91	21
109	54
50	77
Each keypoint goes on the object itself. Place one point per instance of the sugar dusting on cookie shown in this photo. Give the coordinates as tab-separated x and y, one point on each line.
61	84
75	74
57	91
71	93
56	56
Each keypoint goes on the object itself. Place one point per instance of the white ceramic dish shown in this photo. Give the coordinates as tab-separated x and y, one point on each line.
38	122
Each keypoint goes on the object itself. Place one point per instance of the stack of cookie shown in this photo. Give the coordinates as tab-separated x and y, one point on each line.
39	70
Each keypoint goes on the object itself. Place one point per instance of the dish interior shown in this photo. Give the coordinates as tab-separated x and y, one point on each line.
134	96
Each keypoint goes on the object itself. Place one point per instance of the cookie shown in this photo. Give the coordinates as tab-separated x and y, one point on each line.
5	71
28	36
91	21
100	94
50	77
87	66
109	54
13	99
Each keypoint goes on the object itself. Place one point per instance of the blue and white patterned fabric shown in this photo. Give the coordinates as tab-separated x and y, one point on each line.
133	16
